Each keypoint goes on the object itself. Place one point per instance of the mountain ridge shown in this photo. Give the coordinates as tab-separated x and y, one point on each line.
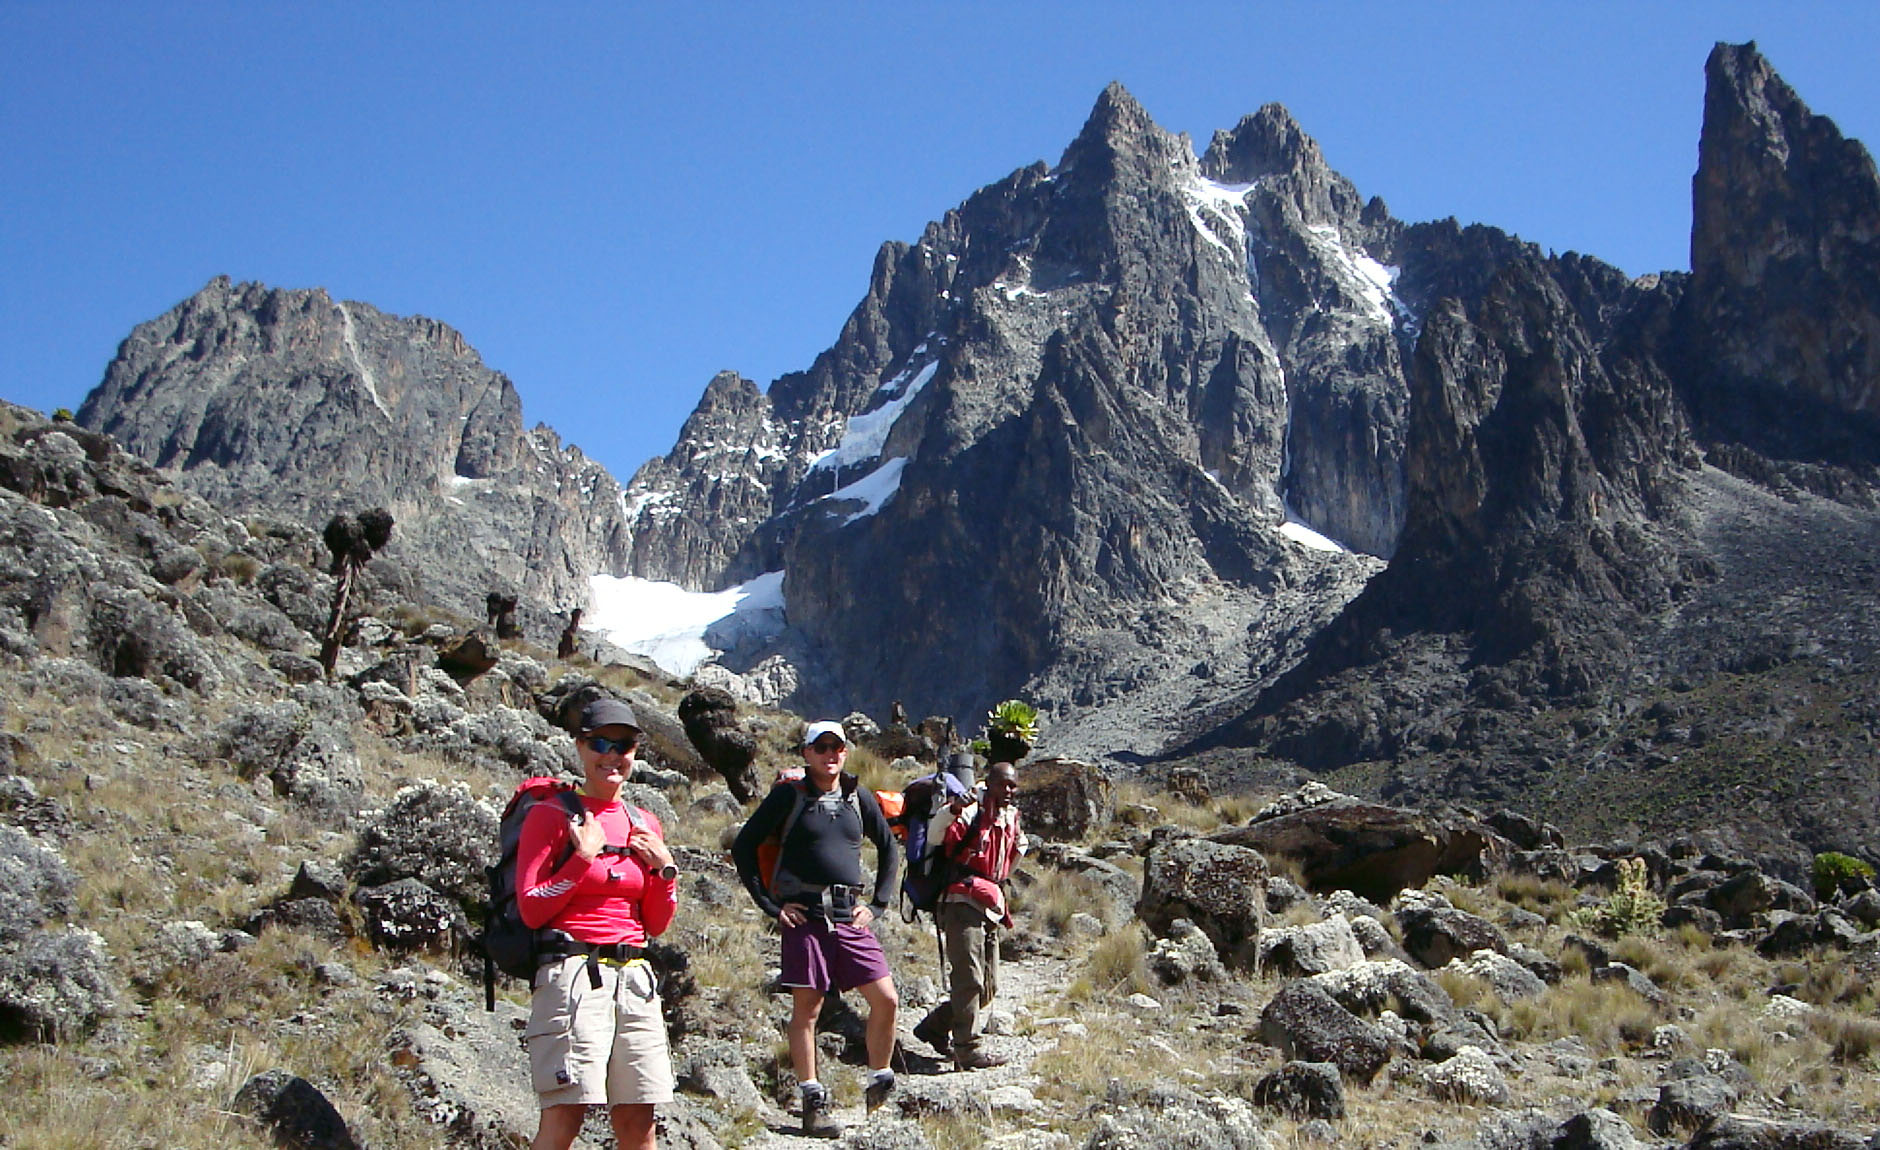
1051	450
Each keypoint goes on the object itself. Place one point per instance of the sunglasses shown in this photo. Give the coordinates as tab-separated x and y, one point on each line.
827	747
604	746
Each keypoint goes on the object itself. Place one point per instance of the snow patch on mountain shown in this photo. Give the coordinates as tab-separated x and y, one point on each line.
1375	283
867	433
1215	210
668	624
873	489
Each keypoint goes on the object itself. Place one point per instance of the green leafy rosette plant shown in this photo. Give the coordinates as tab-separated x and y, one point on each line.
1010	729
1836	874
1632	907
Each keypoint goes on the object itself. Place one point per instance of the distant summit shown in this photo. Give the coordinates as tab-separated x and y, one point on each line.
290	402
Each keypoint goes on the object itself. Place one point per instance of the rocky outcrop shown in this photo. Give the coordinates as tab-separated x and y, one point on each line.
1343	843
292	403
1782	315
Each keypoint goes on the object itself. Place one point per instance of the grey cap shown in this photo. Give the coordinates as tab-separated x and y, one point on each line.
607	712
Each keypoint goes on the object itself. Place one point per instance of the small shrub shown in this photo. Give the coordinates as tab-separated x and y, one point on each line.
1632	907
241	567
1836	873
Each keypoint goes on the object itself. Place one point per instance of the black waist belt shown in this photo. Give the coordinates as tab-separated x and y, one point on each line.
613	951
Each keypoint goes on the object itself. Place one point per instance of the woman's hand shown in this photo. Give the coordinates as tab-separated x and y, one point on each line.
650	849
587	835
862	916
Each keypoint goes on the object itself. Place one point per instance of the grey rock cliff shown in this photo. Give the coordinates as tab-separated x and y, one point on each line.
293	403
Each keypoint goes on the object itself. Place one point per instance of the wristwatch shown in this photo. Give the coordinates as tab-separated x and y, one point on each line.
669	872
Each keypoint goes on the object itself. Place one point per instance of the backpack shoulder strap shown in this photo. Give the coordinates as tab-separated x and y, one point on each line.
799	798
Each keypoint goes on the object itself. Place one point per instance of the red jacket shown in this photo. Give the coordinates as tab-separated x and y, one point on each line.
988	857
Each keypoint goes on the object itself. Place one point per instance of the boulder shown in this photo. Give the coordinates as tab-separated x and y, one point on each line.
1437	935
56	985
474	653
299	1116
1506	977
1219	888
1596	1129
1307	1024
1690	1103
1469	1077
1311	949
1302	1090
406	915
1743	1132
1741	897
1172	1116
1185	954
1344	843
1064	798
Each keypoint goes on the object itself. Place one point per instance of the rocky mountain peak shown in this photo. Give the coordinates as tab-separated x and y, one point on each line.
287	401
1265	143
1784	246
1270	146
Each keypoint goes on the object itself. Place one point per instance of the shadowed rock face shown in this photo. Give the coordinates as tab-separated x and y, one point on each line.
1784	303
292	403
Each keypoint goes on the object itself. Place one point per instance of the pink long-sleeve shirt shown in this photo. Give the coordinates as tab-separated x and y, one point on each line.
611	898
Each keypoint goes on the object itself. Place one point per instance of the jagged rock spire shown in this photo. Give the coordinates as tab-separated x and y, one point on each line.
1785	243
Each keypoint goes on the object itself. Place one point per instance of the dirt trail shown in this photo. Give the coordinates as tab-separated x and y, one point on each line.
1027	988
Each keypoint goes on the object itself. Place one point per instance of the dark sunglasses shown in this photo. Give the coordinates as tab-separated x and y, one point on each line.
827	746
604	746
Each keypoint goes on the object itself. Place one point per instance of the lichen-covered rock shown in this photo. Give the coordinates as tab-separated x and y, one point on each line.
1064	798
1469	1076
1506	977
1311	949
35	885
1185	953
406	915
1169	1116
55	984
1219	888
1308	1025
439	835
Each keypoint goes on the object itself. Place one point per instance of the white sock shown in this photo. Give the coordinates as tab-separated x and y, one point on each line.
810	1087
885	1074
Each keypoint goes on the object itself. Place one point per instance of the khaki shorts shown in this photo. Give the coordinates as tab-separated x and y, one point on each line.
589	1046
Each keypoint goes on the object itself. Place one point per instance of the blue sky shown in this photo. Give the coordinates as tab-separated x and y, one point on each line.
614	201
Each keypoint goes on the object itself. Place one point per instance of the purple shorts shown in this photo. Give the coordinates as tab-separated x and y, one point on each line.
819	955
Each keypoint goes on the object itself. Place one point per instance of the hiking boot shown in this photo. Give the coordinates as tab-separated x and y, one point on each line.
816	1120
936	1031
977	1060
877	1092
